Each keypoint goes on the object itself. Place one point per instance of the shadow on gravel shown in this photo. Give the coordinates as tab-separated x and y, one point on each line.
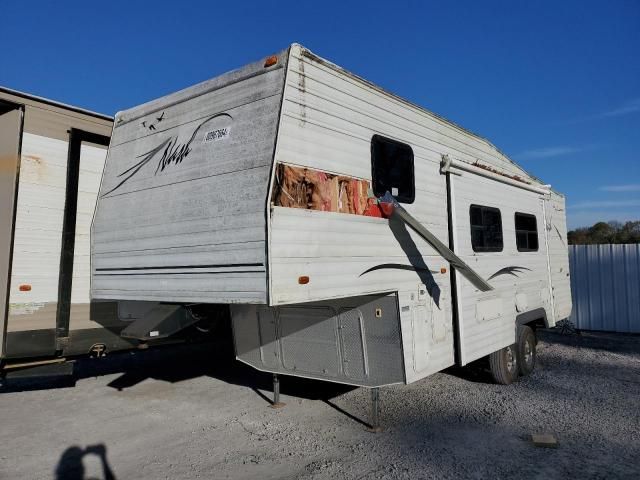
476	372
71	467
217	361
611	342
177	363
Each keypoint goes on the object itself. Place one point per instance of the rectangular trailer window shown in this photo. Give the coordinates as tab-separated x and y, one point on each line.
486	229
392	169
526	232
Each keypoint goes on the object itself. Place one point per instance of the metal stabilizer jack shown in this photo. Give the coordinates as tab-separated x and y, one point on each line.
276	393
375	427
390	207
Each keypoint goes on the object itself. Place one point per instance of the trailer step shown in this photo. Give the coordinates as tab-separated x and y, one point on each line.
38	370
161	322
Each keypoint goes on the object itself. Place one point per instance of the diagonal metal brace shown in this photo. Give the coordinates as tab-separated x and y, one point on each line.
456	262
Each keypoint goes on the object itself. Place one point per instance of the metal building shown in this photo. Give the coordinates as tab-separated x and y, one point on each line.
605	285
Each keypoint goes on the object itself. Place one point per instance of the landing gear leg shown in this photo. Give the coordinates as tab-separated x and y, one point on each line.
276	393
375	411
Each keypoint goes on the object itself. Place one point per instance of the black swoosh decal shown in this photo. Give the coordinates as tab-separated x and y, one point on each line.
512	270
173	153
559	235
397	266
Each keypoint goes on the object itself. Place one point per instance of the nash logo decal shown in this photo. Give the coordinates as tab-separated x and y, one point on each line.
219	134
169	152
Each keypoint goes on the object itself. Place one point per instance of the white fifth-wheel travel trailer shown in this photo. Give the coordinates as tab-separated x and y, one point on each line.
353	236
51	161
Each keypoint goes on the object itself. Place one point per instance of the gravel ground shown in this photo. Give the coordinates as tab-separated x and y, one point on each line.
193	412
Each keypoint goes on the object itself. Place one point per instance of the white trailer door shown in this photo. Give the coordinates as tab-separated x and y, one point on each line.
484	235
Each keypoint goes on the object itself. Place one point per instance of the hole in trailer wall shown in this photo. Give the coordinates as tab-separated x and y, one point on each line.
307	188
391	169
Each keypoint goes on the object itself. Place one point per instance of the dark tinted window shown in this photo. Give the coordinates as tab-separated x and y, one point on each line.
392	169
486	229
526	232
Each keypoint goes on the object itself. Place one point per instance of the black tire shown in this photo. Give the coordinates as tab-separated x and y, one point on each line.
526	350
504	365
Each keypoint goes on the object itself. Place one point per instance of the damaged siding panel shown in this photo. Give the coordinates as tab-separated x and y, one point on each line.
338	153
197	210
336	249
297	187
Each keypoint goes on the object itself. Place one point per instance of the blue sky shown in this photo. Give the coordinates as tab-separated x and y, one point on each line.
555	85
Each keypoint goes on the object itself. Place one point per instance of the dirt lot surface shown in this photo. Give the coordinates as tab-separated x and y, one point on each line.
193	412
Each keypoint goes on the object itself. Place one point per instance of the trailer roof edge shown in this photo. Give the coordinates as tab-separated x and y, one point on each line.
310	54
54	103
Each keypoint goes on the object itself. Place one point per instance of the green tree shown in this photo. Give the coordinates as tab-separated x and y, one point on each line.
606	232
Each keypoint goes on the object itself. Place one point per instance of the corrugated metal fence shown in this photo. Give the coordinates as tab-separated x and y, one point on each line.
605	286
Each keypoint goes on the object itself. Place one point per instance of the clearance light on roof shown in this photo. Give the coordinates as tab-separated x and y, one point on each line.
24	287
303	280
271	61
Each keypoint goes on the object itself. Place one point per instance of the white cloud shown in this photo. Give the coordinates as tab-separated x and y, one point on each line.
632	187
631	106
549	152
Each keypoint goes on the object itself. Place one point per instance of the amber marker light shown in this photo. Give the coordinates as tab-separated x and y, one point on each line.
271	61
303	280
443	270
24	287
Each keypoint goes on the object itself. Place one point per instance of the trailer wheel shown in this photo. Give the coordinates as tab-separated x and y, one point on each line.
526	349
504	365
